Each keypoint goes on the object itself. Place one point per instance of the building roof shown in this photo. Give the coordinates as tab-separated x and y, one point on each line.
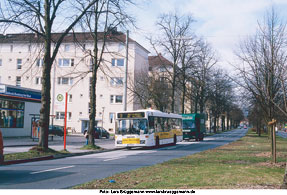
113	36
158	60
71	37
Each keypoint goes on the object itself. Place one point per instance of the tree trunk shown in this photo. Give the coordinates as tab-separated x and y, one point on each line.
46	100
183	98
46	83
284	185
214	125
173	87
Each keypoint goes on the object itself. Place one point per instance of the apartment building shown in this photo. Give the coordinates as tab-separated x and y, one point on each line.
161	71
21	61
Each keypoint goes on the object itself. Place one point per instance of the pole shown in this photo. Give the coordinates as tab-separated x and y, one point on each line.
65	123
126	71
54	94
274	143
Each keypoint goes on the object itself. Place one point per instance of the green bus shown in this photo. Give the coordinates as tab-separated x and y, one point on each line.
193	126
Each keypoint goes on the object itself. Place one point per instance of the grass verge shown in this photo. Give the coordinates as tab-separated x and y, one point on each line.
36	152
244	164
89	147
33	153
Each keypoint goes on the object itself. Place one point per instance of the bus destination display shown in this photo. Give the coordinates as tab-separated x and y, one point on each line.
131	115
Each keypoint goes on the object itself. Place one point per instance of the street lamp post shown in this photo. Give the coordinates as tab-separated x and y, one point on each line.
126	71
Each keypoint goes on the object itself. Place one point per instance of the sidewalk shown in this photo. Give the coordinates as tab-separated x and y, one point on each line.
73	145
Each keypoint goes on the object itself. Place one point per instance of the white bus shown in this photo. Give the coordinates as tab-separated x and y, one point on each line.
147	128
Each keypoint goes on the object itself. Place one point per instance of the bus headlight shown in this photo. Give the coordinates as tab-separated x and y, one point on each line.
142	142
119	142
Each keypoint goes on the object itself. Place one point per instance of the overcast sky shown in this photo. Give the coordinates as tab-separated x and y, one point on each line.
221	22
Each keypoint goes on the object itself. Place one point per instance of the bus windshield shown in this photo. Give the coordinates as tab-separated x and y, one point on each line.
186	124
132	126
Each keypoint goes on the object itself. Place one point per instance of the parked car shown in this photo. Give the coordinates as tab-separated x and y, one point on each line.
100	132
56	130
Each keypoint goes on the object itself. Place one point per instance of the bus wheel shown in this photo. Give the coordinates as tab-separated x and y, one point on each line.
157	142
174	139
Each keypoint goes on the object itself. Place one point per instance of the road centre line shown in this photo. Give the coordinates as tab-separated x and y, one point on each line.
48	170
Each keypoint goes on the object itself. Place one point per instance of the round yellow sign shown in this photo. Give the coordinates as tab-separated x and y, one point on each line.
60	97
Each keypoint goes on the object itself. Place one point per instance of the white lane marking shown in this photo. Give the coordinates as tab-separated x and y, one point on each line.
48	170
112	159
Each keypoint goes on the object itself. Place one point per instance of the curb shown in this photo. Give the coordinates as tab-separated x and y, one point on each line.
14	146
51	157
10	162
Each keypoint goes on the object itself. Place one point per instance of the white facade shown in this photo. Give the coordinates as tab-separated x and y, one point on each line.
21	64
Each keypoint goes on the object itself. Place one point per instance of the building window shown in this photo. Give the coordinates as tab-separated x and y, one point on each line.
117	62
65	62
65	81
116	99
19	63
61	115
39	62
11	114
163	79
70	98
38	80
67	47
111	117
162	69
116	81
18	81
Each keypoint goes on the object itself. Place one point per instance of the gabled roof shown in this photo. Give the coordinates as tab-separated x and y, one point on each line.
159	60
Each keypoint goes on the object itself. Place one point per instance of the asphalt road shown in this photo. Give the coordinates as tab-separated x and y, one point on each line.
68	172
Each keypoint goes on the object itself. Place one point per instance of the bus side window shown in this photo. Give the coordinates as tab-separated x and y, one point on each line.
167	126
172	122
178	123
151	124
158	124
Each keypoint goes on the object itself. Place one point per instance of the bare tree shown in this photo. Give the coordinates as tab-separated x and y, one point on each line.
219	95
155	90
43	18
174	29
106	15
200	79
264	60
